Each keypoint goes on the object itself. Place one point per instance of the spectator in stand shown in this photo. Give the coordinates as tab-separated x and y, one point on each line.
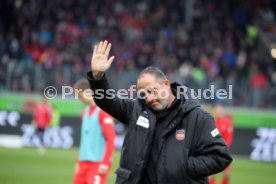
258	83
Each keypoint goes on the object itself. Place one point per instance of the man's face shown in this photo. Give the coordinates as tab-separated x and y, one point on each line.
154	92
86	98
218	111
44	101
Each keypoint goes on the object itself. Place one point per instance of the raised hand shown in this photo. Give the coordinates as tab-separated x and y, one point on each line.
100	62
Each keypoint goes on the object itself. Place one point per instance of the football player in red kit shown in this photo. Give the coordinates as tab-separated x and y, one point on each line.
97	140
224	124
42	118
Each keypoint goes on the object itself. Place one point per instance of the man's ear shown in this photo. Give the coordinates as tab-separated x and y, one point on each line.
167	83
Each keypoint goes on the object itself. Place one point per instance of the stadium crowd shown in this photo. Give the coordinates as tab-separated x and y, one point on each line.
50	43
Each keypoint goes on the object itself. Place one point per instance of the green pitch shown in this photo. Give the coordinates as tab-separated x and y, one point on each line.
56	166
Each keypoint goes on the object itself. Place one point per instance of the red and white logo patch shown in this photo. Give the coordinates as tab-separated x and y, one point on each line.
180	134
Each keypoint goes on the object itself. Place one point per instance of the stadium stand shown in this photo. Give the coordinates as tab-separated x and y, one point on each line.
50	42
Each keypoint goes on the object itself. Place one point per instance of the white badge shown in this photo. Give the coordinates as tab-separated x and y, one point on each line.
215	132
142	121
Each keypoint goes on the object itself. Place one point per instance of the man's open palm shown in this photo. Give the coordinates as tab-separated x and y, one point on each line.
100	62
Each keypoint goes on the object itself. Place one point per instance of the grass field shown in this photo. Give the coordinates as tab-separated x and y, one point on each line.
56	166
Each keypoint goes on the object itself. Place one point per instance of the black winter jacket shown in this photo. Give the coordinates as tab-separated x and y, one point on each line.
191	148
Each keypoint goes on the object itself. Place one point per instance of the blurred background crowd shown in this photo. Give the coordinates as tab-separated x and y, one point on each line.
49	42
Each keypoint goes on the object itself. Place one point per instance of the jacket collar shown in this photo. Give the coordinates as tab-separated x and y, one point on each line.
187	104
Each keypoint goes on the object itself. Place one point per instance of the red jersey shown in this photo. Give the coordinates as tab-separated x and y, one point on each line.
225	127
42	115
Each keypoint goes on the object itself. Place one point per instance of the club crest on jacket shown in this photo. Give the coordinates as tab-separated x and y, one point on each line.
180	134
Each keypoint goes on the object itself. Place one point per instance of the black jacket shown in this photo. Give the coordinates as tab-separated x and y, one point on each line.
189	150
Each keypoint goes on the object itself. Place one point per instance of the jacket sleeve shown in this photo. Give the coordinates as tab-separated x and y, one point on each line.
211	154
106	98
